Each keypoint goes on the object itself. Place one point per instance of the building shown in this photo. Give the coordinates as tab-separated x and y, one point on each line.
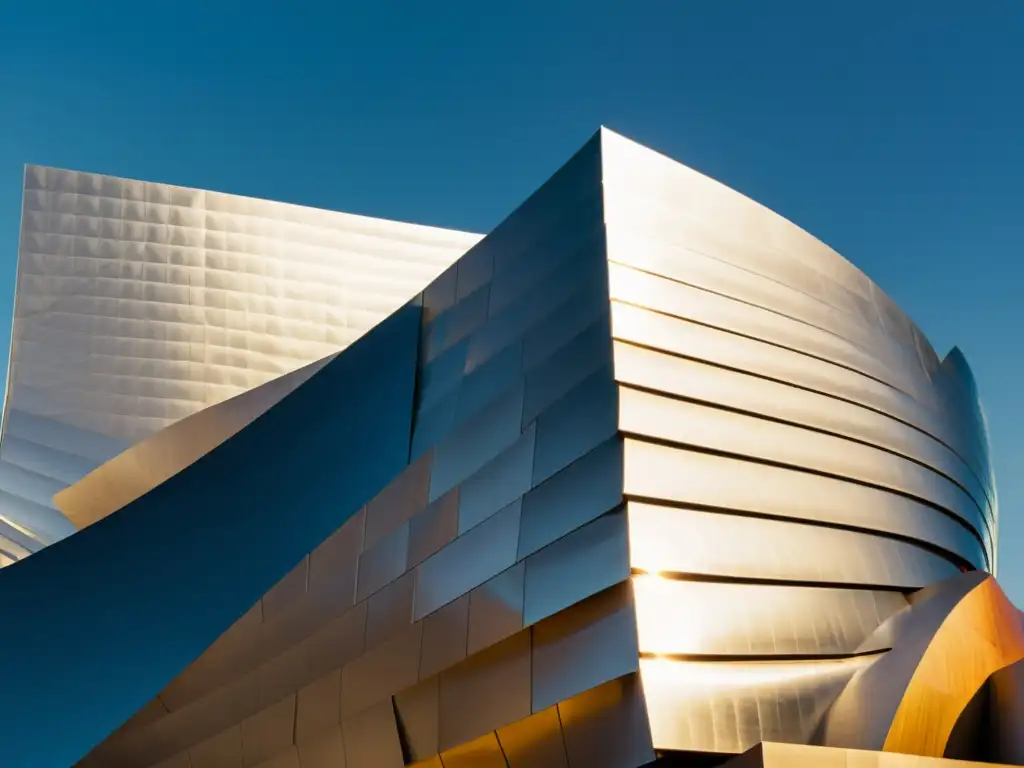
649	476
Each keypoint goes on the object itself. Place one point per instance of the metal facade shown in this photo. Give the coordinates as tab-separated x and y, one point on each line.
139	304
678	479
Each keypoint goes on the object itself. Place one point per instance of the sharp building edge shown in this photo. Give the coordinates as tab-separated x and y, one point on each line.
647	476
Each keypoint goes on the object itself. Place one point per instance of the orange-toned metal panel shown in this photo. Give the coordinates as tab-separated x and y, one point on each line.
982	635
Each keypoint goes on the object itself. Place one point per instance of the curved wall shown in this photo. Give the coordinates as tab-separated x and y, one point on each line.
672	463
796	457
139	304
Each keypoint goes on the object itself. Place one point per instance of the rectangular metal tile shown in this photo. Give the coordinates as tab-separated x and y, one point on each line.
579	493
445	632
485	692
496	608
467	562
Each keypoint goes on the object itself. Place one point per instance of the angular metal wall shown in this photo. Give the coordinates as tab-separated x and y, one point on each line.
101	621
795	457
139	304
672	463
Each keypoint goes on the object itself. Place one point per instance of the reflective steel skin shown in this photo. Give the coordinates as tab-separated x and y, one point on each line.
139	304
675	480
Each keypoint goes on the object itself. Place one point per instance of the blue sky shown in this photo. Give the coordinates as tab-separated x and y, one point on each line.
891	130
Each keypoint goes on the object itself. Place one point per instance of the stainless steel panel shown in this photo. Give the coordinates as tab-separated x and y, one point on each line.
591	643
699	381
432	528
690	424
484	752
606	727
485	381
400	500
269	732
283	674
333	565
577	423
499	483
287	759
555	305
702	618
339	641
318	707
568	365
581	564
575	241
641	326
381	672
445	632
556	331
286	592
417	711
534	742
689	541
191	264
649	253
441	376
383	563
178	761
467	562
677	299
474	270
371	738
390	610
221	751
488	690
475	443
457	323
496	608
660	472
159	457
325	751
579	493
439	295
731	706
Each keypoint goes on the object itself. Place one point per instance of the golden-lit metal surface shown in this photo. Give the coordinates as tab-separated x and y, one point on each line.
781	755
981	635
729	706
676	472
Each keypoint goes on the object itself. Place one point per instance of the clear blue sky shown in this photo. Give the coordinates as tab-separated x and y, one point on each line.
891	129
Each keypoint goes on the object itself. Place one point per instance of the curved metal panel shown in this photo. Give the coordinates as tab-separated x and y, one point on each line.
982	635
139	304
150	462
676	475
703	544
731	706
336	441
697	618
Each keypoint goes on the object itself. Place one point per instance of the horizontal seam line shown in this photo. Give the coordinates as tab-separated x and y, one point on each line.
953	557
794	385
756	581
798	425
769	342
782	657
745	302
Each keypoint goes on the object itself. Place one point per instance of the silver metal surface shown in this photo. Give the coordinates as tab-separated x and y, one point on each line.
677	474
139	304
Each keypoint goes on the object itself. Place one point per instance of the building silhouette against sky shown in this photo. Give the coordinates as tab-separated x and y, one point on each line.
647	475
